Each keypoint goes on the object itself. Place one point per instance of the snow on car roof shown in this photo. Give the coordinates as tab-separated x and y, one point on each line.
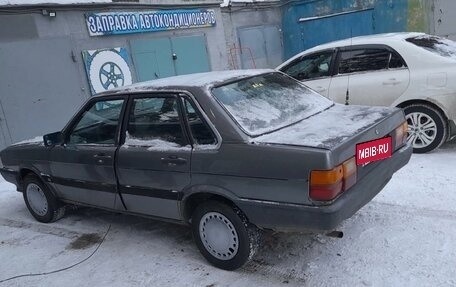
191	80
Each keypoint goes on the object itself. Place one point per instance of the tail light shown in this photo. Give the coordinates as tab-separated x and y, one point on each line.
400	135
325	185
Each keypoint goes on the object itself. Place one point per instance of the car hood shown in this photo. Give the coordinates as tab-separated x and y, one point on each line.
24	145
334	127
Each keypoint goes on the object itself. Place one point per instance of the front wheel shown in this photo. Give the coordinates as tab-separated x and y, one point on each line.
223	235
427	128
41	203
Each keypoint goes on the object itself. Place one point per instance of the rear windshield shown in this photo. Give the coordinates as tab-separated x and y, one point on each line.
268	102
440	46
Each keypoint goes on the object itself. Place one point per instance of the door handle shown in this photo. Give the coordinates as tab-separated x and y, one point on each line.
173	160
392	82
102	156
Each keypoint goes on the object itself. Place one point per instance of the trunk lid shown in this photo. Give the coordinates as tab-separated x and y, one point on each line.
338	129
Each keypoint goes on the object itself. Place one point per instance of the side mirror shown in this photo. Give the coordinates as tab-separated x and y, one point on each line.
53	139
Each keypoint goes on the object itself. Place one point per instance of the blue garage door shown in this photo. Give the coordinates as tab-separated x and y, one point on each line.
153	59
316	31
191	55
165	57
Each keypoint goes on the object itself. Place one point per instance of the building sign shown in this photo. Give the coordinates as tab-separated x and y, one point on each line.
115	23
107	69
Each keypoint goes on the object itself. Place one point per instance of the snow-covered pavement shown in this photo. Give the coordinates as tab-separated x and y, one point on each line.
405	237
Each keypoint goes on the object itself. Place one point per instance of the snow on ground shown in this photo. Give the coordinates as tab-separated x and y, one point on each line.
404	237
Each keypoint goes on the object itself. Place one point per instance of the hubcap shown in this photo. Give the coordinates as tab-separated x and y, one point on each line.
422	130
36	199
218	236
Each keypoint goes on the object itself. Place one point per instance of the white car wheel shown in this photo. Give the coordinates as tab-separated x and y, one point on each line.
427	128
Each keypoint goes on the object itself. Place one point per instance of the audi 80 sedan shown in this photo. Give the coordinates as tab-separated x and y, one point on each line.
227	153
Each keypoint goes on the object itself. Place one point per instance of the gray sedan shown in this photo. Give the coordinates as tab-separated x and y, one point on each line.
226	152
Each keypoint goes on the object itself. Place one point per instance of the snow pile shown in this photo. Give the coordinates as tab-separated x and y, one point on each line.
153	144
205	147
328	128
38	139
34	2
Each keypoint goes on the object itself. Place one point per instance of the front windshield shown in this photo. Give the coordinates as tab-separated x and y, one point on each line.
268	102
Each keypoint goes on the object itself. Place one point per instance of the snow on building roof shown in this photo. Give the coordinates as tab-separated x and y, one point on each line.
227	3
61	2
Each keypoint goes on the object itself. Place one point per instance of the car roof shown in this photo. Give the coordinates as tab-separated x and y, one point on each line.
386	38
370	39
198	80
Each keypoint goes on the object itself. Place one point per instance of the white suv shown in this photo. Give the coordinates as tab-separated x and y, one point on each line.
408	70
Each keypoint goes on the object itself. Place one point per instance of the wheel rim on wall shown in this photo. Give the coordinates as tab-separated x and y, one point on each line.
219	236
422	129
36	199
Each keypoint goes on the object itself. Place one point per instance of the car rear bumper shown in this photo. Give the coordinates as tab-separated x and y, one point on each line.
283	216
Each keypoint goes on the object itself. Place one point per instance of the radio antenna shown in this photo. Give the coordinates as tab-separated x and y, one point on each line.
347	94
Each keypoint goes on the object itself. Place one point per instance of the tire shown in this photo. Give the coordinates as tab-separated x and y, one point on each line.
428	129
239	240
40	201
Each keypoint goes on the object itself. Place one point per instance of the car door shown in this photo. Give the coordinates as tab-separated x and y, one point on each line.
83	167
372	75
153	164
313	70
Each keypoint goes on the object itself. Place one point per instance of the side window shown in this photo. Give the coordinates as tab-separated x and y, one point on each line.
155	122
310	67
200	130
98	124
363	60
396	62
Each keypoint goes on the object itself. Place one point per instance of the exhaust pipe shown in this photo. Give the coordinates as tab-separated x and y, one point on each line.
335	234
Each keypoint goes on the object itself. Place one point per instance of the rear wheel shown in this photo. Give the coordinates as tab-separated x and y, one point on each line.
223	235
41	203
427	128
